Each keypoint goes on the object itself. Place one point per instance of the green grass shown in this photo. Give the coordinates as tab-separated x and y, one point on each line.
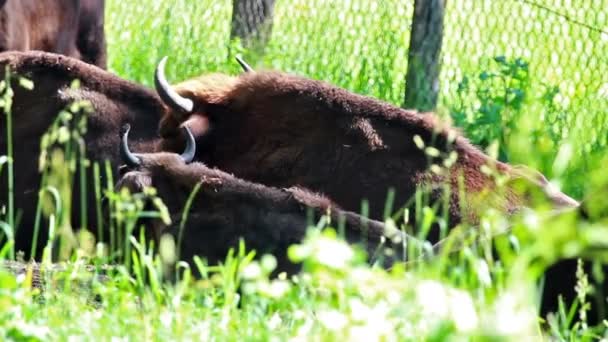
362	45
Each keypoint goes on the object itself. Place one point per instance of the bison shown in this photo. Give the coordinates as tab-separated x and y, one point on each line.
284	130
227	209
113	101
70	27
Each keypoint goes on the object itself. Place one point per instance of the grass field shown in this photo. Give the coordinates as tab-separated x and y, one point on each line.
512	73
362	46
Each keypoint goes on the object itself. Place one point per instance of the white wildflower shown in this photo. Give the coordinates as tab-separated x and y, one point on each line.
432	151
275	321
278	288
303	332
359	311
252	271
483	273
203	330
376	324
393	297
299	314
418	141
432	298
531	220
333	253
38	332
332	320
438	303
463	311
268	262
166	319
603	92
511	317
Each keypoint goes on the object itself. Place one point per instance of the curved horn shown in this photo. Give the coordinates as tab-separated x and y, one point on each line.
174	100
244	65
188	154
129	158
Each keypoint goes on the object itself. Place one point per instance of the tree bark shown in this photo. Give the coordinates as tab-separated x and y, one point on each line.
424	64
252	22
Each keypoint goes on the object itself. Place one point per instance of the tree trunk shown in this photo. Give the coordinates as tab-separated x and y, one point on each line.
252	22
422	79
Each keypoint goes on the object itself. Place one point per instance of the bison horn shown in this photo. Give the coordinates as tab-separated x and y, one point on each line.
188	154
243	64
169	96
129	158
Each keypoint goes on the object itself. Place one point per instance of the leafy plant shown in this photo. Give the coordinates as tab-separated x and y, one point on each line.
489	106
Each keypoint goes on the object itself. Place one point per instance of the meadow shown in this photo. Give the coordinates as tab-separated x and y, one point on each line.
521	82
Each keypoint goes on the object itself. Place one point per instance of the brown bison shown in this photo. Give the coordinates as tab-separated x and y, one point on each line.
73	28
284	130
227	209
114	102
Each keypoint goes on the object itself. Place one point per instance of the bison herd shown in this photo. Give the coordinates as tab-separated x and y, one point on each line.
268	150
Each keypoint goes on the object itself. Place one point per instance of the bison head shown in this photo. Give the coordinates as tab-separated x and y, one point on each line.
549	192
191	97
132	160
156	170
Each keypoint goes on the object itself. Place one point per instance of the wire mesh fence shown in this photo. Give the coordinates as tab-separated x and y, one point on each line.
526	73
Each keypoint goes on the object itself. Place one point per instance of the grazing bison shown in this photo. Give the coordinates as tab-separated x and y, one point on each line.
227	208
114	103
283	130
73	28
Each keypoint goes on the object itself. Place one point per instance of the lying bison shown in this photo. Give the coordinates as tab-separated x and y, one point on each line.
227	209
70	27
114	102
283	130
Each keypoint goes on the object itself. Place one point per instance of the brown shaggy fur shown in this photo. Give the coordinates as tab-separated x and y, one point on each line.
284	130
227	209
73	28
115	102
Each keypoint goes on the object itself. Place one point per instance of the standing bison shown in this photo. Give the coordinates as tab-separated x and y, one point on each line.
113	101
73	28
284	130
227	208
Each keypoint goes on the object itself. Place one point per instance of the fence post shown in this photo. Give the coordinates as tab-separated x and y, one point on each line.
252	22
422	79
